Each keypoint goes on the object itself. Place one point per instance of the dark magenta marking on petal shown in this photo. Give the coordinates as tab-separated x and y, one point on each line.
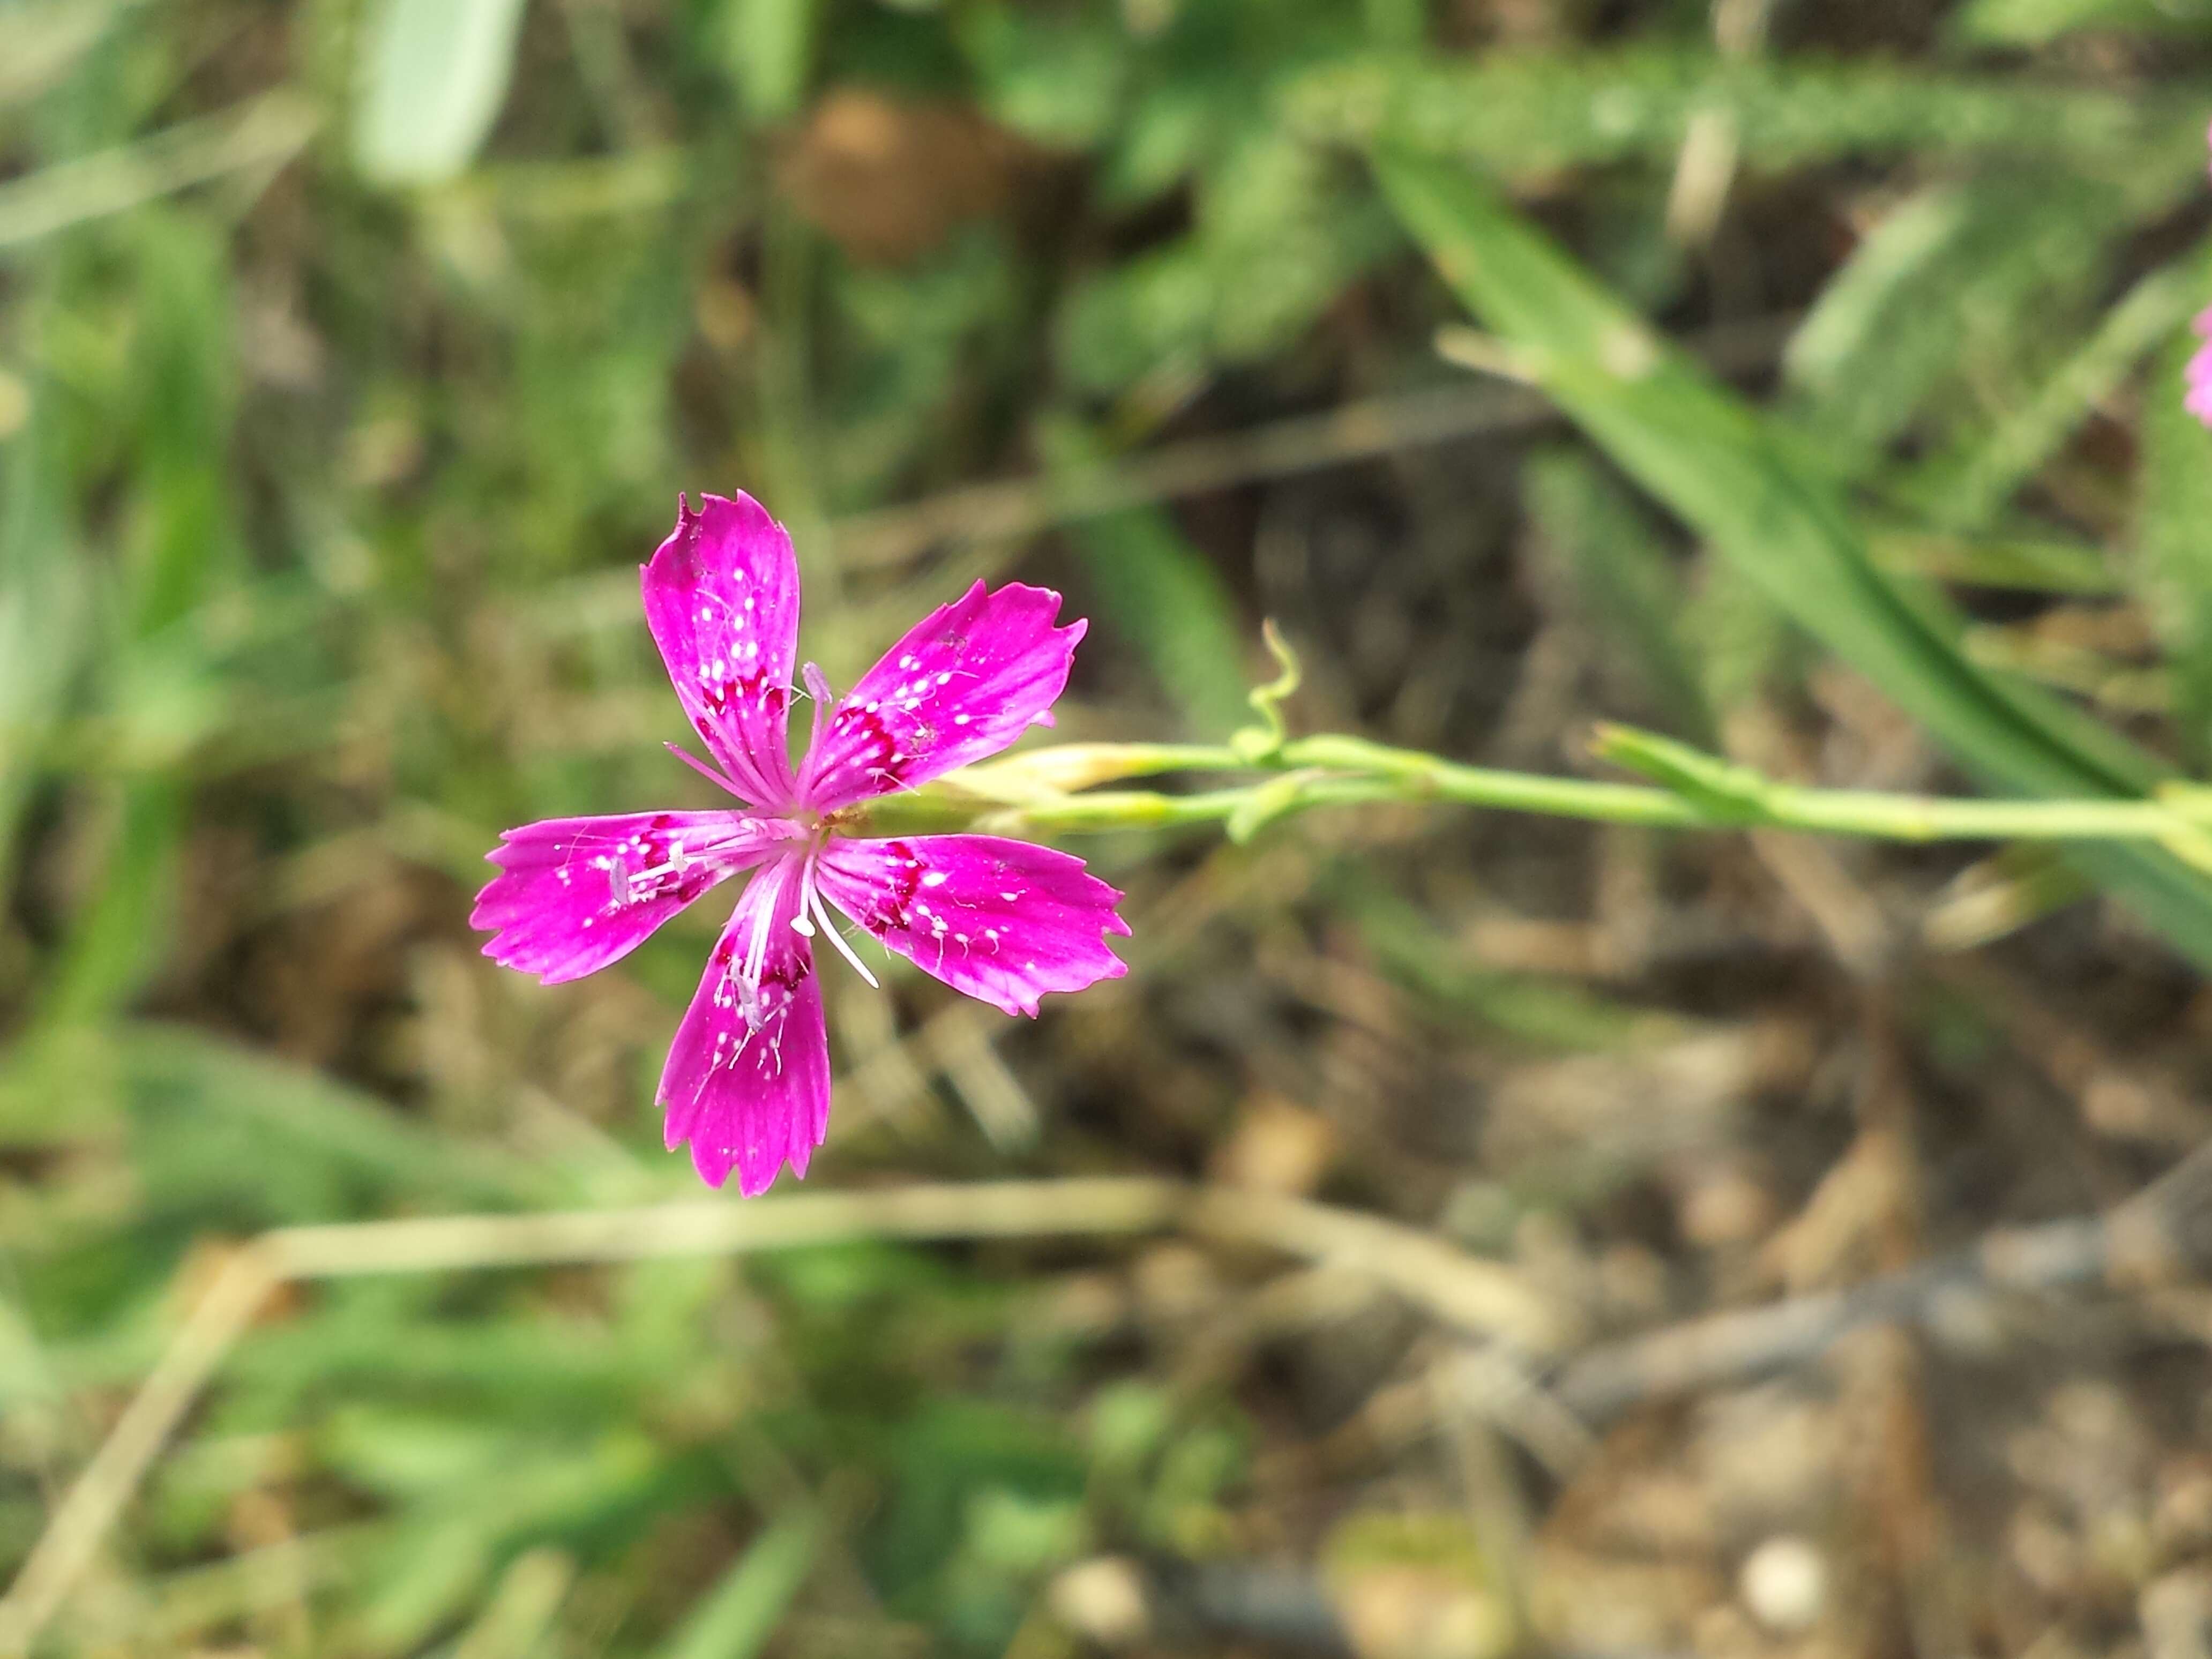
965	682
747	1080
721	598
886	901
576	894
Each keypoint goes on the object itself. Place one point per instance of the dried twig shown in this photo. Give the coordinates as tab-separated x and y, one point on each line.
66	1546
2163	1233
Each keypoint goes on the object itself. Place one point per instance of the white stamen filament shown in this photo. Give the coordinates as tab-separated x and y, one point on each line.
678	862
829	927
756	949
801	924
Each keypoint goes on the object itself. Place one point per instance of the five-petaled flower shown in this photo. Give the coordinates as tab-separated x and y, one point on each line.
747	1081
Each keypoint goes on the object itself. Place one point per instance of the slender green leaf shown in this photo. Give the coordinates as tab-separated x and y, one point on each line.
1708	455
2033	564
767	46
1960	274
224	1099
2038	22
1531	113
261	135
517	1622
1160	592
741	1613
122	934
46	608
1964	491
434	75
1628	575
39	42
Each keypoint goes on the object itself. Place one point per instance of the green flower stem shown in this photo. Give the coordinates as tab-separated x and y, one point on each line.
1695	791
1735	796
1427	777
1138	809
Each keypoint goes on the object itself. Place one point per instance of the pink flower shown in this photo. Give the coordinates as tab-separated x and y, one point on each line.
747	1081
2197	399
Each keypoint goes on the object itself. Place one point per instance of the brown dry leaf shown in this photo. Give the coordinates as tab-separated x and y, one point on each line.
1648	1100
1177	1287
1849	1223
1722	1201
2181	1519
888	180
1275	1146
1662	1510
1599	1604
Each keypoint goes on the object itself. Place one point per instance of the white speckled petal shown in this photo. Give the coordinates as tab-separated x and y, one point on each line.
721	597
961	685
575	894
747	1081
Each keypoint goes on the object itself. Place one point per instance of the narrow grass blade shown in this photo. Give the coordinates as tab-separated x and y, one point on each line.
2038	22
39	42
434	75
740	1614
767	46
1529	112
1966	491
261	134
2032	563
1958	272
1164	597
1699	448
286	1112
1628	577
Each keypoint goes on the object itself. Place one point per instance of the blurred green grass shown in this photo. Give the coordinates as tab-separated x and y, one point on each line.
352	351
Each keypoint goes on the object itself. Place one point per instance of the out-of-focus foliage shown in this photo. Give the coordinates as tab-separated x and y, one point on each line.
352	353
434	75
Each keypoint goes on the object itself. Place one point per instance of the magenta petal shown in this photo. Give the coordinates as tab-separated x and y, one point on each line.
1003	921
2198	402
2197	375
963	685
575	894
747	1081
721	597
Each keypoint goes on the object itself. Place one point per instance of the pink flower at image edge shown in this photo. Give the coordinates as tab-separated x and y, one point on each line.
2197	398
747	1079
